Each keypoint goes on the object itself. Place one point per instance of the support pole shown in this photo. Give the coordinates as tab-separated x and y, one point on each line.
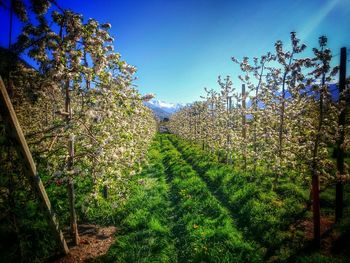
244	130
14	130
344	103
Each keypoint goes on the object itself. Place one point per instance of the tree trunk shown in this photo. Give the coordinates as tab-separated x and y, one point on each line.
282	117
71	195
244	130
316	208
280	130
256	102
70	185
339	200
228	142
341	124
315	175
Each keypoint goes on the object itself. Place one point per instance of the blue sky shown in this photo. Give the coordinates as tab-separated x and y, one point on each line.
181	46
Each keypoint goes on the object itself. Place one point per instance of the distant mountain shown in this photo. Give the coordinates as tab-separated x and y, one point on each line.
333	91
162	109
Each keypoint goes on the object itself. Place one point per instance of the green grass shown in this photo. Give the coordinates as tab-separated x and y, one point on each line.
146	224
263	215
186	206
207	232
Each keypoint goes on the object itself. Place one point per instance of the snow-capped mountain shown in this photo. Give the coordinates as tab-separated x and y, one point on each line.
165	106
162	109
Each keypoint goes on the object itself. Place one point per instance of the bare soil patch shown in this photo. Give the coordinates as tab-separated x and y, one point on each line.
94	242
326	224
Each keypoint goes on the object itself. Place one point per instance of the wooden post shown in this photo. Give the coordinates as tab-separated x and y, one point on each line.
316	208
70	184
315	174
198	124
343	99
229	107
190	123
105	191
212	127
195	124
244	130
71	194
14	130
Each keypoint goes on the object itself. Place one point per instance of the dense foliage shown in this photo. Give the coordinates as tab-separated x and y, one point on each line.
84	121
284	123
275	124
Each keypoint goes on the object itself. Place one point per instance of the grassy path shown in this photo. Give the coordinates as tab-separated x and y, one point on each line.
172	217
187	207
205	229
262	214
146	220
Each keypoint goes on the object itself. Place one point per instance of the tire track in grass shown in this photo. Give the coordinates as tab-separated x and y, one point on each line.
146	218
259	213
205	230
